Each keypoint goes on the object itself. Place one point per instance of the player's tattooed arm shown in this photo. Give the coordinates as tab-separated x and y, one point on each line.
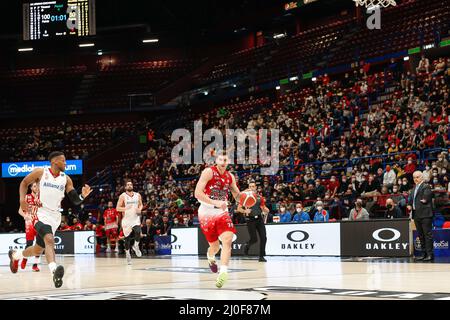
33	176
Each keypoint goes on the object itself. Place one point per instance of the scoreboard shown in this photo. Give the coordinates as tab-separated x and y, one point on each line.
58	19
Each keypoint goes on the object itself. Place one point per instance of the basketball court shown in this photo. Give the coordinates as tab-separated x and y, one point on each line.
188	277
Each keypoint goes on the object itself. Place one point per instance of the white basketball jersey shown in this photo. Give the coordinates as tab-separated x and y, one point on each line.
130	217
51	190
51	193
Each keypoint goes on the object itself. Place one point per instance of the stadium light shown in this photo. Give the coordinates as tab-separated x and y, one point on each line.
234	85
24	49
279	35
150	40
293	78
314	79
99	52
205	93
84	45
278	87
406	58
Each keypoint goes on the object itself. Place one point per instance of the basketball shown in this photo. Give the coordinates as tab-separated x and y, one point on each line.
247	199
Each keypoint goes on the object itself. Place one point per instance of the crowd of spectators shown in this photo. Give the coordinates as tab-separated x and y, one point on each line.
352	140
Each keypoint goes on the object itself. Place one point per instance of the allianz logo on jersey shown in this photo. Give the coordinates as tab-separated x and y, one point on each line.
55	186
21	169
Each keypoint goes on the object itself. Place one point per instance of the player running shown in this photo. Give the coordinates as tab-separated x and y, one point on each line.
212	192
53	184
111	218
130	203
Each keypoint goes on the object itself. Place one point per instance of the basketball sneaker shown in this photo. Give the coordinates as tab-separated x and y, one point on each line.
137	250
213	266
128	255
58	274
36	268
13	263
108	249
23	264
221	279
116	250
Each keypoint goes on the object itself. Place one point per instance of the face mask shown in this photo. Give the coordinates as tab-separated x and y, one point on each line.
319	208
435	181
443	171
434	166
409	161
299	210
427	168
282	209
405	183
388	169
435	174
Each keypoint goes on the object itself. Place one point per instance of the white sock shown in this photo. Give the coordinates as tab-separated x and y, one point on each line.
52	266
18	255
37	260
127	251
223	269
213	258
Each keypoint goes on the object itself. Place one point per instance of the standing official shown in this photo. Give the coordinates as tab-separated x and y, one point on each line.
420	202
255	217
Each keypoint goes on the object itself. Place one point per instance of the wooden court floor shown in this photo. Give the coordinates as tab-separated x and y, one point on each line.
188	277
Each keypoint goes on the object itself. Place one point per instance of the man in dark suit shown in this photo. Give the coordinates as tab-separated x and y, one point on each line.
149	233
420	202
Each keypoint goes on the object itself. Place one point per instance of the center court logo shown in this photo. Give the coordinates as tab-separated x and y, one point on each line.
385	238
252	142
297	240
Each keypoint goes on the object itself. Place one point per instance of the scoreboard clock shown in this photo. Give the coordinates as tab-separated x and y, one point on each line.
58	19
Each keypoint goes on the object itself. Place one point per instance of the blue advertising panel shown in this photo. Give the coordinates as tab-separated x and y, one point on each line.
163	245
441	239
21	169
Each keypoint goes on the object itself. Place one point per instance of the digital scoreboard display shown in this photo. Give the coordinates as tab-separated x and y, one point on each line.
58	19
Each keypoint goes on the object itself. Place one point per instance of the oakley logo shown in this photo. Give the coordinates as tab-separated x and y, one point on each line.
91	240
20	241
395	235
173	238
58	240
292	236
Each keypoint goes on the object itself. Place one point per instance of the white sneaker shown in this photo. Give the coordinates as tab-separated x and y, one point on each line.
136	250
128	255
108	250
116	250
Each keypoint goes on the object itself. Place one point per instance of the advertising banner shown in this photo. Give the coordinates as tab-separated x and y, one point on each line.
375	238
21	169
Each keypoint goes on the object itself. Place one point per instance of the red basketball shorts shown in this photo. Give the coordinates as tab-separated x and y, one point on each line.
213	224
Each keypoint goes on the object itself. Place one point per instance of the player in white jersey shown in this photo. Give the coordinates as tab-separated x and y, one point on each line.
53	184
130	205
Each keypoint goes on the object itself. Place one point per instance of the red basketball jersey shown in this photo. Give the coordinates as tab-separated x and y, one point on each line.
218	187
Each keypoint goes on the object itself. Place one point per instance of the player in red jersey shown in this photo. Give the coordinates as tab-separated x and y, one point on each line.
111	218
212	192
32	199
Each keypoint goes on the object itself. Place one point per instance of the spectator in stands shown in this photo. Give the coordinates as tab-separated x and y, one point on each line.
300	214
358	212
76	225
392	210
64	227
371	187
442	163
424	65
8	225
440	67
320	214
284	215
149	232
89	226
166	226
157	219
187	221
389	177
